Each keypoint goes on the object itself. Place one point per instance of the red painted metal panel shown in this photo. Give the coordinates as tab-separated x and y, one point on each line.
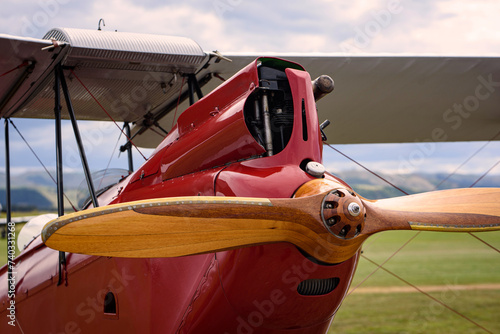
231	91
265	295
194	184
221	139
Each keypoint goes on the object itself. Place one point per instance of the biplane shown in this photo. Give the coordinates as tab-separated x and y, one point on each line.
232	225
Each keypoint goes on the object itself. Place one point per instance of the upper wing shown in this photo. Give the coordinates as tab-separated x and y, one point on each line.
386	99
395	98
129	74
137	78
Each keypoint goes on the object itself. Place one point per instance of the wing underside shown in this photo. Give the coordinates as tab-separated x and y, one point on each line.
138	78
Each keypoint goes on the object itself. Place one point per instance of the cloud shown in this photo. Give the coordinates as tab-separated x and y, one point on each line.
237	25
30	18
178	19
442	27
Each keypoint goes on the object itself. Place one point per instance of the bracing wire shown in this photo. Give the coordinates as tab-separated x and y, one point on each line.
40	161
178	101
110	117
467	160
368	170
381	266
472	186
426	294
110	159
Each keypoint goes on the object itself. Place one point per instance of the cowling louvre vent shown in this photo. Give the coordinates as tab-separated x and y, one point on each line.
317	287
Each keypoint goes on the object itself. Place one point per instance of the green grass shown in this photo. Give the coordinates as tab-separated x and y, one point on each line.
416	313
3	241
432	258
3	246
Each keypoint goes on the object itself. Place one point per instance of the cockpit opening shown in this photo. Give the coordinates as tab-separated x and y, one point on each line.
103	180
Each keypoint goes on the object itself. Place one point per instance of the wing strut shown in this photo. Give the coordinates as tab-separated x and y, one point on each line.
128	147
8	209
78	138
59	166
60	82
193	86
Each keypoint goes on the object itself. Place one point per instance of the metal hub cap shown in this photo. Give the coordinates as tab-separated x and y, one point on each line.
354	209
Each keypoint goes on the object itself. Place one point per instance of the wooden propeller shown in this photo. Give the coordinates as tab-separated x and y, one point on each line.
331	225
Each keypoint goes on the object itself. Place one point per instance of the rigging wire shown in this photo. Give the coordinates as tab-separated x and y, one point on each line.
40	161
471	186
467	160
381	266
476	182
26	63
484	242
104	109
368	170
111	158
427	294
157	132
383	179
178	101
486	173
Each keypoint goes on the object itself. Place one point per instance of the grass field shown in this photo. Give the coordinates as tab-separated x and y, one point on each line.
430	259
3	245
19	226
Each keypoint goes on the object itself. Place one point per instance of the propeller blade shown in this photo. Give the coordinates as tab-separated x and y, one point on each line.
327	220
454	210
189	225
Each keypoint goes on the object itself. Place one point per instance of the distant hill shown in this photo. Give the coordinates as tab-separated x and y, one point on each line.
41	178
27	199
370	186
36	190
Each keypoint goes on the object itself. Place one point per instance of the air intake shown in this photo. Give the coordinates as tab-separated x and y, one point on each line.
317	287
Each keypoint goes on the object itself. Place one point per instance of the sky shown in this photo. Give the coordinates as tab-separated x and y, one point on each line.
396	26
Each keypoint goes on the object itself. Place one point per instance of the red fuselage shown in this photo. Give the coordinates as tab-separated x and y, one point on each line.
214	149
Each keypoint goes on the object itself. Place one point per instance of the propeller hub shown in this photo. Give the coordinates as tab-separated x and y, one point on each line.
354	209
343	213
